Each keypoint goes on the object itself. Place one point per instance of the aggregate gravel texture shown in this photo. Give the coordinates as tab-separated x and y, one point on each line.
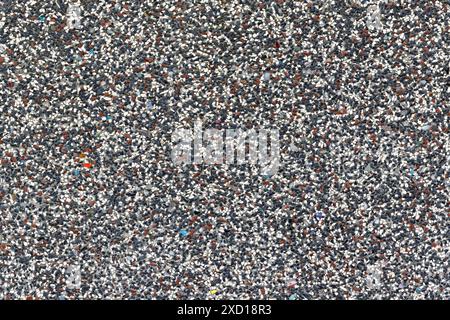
93	207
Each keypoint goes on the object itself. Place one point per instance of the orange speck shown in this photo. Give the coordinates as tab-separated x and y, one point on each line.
82	155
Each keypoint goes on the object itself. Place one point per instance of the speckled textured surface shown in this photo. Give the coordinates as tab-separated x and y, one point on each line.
92	206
